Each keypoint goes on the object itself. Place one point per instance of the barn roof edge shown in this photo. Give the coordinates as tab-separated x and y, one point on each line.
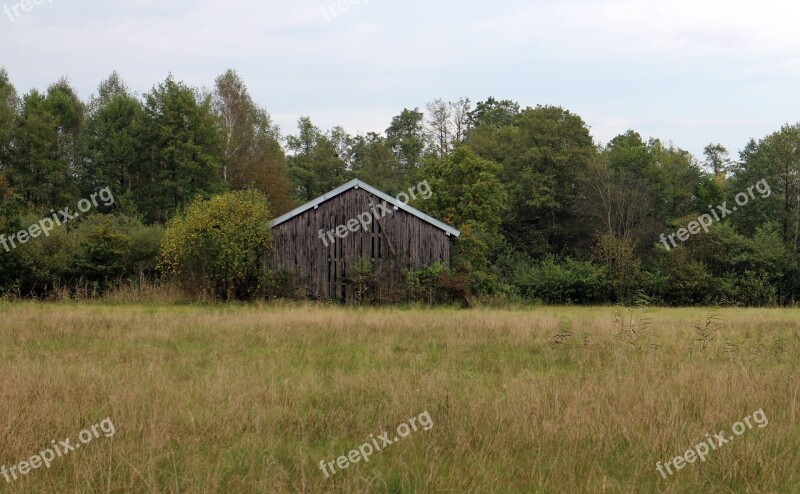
386	197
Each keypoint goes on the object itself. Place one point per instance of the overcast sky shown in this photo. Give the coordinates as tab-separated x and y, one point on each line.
689	71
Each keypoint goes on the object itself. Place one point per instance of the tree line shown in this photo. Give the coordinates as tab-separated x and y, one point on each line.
547	214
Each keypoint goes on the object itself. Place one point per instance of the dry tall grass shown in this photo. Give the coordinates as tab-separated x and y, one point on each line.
251	399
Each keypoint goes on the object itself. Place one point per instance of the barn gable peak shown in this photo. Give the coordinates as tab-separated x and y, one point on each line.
355	184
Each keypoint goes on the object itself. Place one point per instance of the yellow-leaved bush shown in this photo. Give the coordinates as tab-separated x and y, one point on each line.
218	247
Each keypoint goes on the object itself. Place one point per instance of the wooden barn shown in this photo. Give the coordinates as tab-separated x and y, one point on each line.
322	246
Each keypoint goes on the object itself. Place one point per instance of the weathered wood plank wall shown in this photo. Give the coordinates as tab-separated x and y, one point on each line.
394	243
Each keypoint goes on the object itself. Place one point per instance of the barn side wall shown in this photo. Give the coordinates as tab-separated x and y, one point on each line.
394	243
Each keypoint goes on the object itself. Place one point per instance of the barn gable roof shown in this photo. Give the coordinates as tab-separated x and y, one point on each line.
372	190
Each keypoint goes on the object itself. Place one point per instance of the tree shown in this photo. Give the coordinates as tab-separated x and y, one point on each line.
218	246
108	89
774	159
461	111
181	144
252	156
9	222
493	113
621	202
70	113
314	165
545	154
110	145
43	154
467	194
64	104
465	189
439	128
717	159
406	138
622	265
9	109
373	162
661	182
447	125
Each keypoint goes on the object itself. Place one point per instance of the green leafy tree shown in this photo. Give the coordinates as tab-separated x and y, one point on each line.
9	109
9	217
774	159
545	152
9	222
43	157
494	114
643	187
406	138
252	156
181	151
64	104
373	162
468	195
110	144
218	246
314	164
717	159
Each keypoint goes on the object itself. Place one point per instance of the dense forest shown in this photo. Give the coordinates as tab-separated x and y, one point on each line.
548	215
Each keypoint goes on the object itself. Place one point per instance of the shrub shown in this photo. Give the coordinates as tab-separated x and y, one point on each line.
104	253
362	279
91	255
562	281
687	281
750	289
218	246
435	284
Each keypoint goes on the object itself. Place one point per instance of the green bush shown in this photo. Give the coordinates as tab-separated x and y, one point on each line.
104	252
688	282
45	262
218	247
93	253
750	289
562	281
363	282
436	284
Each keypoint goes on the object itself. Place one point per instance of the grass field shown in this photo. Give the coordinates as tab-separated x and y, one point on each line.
252	398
